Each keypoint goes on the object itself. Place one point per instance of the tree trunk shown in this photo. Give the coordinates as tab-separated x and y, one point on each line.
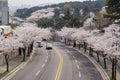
105	66
91	52
31	48
104	59
98	56
84	47
32	45
28	51
7	63
24	54
65	41
19	51
74	44
113	67
79	45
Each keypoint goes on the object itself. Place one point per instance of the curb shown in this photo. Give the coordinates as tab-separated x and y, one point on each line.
102	72
14	71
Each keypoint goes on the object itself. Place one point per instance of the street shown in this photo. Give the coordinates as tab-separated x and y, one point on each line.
60	63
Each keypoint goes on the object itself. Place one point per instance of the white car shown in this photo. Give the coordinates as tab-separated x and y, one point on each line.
48	46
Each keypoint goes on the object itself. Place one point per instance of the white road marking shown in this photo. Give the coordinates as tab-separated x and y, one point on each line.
38	73
46	61
76	61
79	74
47	57
74	57
47	52
78	66
43	65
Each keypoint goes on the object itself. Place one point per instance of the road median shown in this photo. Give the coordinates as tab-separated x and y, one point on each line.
59	70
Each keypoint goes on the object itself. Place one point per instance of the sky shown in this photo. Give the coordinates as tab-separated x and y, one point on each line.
36	2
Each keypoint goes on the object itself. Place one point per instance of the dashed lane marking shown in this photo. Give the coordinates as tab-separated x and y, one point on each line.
76	61
38	73
43	65
78	66
74	57
79	74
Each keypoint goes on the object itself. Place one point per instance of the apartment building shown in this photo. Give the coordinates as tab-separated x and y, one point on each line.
4	12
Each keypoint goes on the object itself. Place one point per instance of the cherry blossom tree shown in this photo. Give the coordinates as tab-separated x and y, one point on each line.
27	36
22	40
7	46
66	33
109	43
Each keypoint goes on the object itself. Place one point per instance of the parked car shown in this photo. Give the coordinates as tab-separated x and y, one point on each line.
40	44
48	46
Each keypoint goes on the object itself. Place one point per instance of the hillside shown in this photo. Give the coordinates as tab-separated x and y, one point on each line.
87	7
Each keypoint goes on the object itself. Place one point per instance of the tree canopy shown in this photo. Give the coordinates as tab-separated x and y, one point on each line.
77	6
113	9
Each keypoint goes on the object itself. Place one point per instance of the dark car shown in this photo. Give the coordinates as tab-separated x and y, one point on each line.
40	44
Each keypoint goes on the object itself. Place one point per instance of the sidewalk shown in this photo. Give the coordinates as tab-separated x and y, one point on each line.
15	65
12	64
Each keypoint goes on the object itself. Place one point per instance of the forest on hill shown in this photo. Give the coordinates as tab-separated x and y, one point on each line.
66	8
87	6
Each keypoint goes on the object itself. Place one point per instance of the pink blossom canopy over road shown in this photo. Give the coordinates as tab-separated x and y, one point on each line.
22	37
108	42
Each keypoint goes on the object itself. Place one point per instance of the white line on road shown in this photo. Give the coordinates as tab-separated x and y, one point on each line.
43	65
76	61
46	61
47	52
74	57
47	56
78	66
38	73
79	74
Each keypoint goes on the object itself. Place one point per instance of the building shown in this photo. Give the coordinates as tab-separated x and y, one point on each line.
4	12
16	20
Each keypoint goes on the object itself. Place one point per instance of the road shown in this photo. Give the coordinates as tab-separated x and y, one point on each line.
61	63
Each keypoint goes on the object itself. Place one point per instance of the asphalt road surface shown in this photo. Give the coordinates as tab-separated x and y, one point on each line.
60	63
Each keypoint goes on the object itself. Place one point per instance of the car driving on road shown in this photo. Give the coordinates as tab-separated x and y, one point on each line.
40	44
48	46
